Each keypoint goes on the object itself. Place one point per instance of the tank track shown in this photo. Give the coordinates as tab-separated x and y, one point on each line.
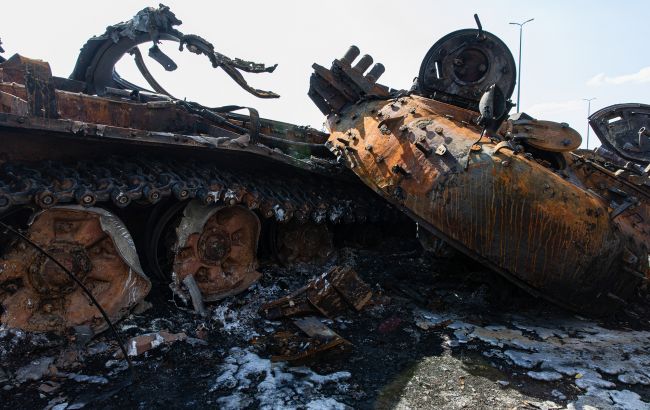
121	181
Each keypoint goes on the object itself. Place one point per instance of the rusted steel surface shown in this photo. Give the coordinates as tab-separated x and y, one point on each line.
218	246
508	200
544	135
37	295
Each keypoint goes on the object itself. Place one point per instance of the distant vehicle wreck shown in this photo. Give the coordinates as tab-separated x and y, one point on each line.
122	185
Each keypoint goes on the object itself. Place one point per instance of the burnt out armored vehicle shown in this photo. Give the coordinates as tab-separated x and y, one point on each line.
122	184
114	180
510	192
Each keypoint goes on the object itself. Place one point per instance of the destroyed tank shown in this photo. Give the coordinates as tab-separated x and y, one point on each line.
512	192
121	184
113	180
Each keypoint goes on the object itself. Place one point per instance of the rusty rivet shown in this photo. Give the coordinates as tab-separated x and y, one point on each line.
399	169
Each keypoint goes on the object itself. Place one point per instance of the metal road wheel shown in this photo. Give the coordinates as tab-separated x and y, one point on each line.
37	295
218	246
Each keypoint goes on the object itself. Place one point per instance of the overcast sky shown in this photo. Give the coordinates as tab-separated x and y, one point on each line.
572	50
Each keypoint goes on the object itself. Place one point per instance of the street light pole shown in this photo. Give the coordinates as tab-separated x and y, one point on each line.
589	100
521	29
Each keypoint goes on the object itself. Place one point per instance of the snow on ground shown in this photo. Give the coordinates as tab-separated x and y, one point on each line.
246	377
600	361
240	317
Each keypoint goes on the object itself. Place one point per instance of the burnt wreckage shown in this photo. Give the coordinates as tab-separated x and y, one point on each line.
112	180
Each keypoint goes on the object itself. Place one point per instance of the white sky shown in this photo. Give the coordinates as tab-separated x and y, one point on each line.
572	50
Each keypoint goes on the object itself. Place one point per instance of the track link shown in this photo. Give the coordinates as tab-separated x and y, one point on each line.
121	181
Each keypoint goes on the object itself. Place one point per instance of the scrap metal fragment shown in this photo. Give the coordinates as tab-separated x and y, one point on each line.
293	347
139	344
195	294
329	294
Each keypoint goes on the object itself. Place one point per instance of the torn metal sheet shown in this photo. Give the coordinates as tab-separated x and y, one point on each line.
96	63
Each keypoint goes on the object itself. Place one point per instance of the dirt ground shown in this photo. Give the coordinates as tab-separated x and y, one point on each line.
438	333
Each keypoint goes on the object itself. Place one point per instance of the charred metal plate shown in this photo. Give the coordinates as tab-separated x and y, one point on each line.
462	65
625	128
545	135
95	245
218	246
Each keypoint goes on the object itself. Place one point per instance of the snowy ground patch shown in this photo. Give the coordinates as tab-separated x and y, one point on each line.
600	361
247	380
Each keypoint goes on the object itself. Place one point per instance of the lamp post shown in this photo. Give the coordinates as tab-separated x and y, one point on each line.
521	29
589	100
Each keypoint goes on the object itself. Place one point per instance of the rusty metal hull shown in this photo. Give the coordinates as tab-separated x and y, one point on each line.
533	225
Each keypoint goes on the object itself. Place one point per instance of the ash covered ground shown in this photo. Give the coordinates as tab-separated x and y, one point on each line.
438	333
